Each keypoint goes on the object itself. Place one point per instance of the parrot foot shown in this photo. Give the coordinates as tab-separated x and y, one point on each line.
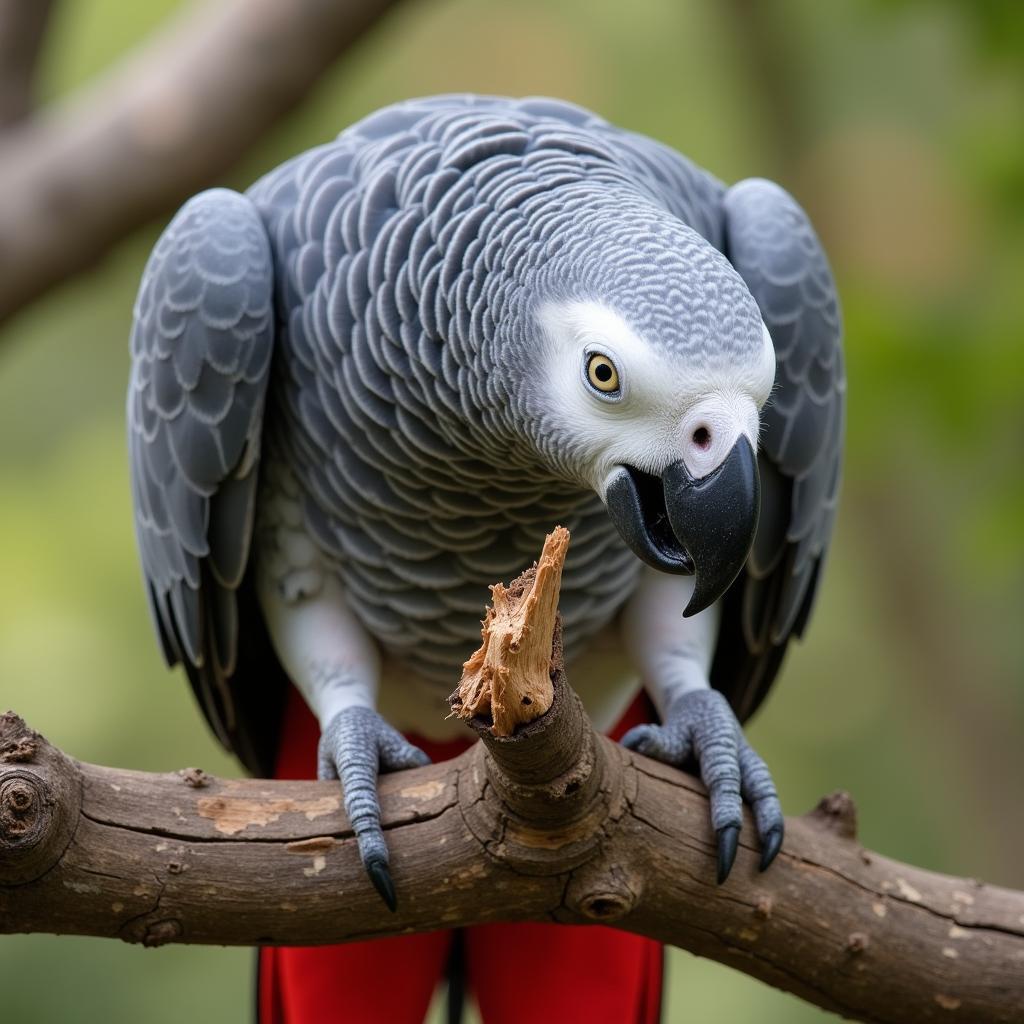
700	724
355	746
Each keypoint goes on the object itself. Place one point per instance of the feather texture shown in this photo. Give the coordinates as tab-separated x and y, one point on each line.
401	245
392	272
771	243
201	346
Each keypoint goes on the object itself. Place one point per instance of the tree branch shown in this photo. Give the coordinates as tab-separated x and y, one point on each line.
23	26
555	823
161	126
544	822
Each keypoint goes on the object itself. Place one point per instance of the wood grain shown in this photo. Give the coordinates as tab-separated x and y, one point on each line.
186	857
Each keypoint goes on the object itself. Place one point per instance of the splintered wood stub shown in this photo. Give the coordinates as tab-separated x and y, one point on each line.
509	676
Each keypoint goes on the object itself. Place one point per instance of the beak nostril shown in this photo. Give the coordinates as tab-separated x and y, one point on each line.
702	438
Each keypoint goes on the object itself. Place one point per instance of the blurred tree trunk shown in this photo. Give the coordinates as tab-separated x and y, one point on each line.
941	658
773	52
163	124
23	25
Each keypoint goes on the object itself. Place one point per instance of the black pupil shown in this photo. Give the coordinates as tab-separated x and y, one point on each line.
603	372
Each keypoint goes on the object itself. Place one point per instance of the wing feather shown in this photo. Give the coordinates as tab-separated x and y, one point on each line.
771	243
201	343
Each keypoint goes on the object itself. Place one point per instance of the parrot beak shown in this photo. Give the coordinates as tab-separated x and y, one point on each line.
686	526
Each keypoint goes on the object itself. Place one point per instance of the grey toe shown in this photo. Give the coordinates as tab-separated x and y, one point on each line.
356	744
700	722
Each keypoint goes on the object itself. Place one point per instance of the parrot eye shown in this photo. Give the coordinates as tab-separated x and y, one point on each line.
601	374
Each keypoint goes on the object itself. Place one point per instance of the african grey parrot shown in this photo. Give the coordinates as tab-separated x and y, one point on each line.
365	389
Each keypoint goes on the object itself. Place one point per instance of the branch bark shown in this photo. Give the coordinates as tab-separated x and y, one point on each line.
545	821
23	26
554	823
161	126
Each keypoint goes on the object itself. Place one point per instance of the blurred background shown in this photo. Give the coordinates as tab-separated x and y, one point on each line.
898	125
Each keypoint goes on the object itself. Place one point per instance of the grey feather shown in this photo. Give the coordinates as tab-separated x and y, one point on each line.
402	247
201	344
771	243
399	264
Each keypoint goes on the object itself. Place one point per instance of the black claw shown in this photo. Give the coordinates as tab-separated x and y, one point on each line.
381	878
728	841
771	843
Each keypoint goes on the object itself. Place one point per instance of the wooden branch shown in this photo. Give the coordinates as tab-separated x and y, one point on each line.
179	113
23	25
552	824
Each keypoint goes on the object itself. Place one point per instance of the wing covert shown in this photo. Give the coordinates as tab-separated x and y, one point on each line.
771	243
201	344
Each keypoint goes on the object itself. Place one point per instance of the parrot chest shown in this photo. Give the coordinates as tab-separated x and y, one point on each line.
423	598
418	582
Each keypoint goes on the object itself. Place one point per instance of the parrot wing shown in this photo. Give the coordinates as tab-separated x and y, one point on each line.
201	345
771	243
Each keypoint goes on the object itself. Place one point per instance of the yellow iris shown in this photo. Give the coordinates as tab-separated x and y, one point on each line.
602	374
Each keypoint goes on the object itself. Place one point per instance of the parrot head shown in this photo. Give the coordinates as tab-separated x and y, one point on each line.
650	365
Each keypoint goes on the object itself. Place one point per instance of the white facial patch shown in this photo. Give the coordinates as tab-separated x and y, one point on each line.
634	425
659	407
764	378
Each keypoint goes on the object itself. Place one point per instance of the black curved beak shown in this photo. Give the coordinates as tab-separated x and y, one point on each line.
685	526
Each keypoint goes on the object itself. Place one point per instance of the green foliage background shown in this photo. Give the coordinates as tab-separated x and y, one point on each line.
898	125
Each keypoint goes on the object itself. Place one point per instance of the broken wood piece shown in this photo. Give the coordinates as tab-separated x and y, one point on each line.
508	678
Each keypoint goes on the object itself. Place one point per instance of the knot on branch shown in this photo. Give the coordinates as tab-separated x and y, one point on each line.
23	801
38	805
194	777
837	813
152	931
18	743
603	893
